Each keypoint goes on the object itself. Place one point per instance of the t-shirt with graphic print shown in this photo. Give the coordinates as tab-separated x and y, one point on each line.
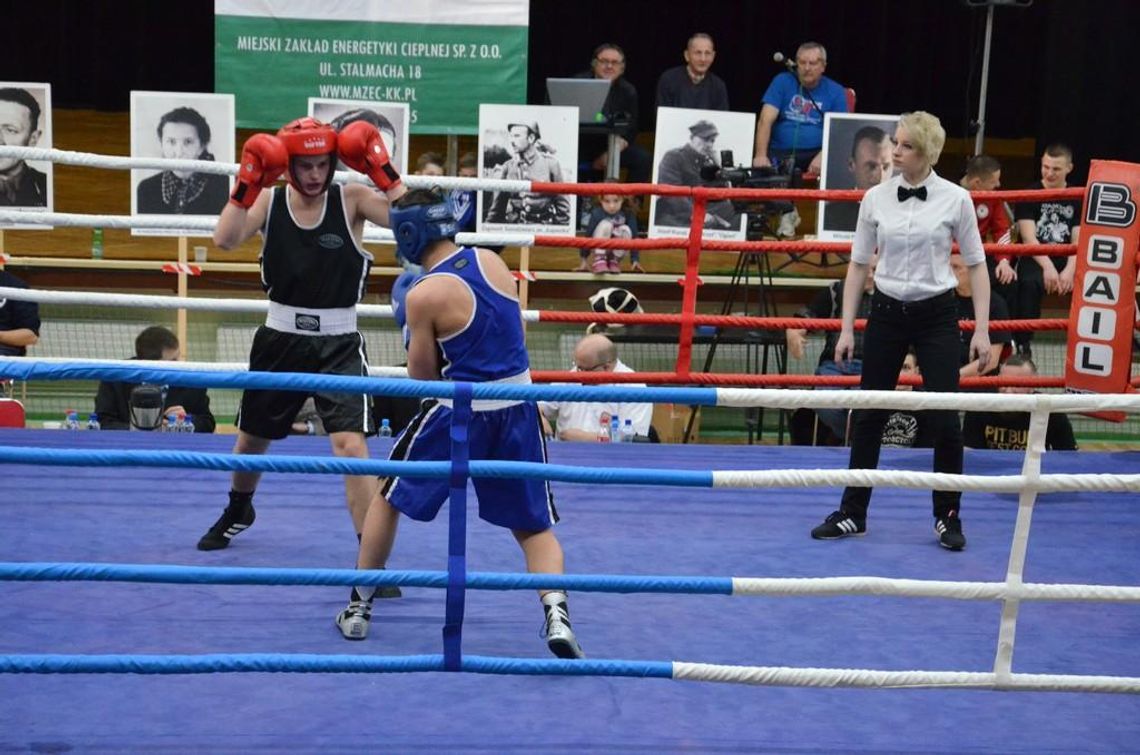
1054	219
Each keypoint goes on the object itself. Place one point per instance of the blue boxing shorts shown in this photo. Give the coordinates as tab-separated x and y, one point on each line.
512	433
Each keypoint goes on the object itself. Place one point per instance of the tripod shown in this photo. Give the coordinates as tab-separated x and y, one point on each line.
755	302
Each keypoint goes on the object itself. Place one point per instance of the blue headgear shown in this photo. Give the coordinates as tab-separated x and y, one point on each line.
419	225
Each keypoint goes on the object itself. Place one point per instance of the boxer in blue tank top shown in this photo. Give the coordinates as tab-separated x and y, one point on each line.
462	322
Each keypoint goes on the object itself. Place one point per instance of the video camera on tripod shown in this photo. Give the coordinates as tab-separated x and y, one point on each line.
759	213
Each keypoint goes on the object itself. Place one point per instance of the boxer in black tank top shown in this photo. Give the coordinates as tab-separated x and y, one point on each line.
314	268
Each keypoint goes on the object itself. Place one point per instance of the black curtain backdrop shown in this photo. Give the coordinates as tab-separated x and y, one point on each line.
1060	69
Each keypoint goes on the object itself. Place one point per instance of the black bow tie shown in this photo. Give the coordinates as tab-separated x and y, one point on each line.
905	193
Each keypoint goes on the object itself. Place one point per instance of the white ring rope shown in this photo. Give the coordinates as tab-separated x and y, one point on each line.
201	304
917	400
821	677
150	301
373	371
115	162
372	233
920	588
204	226
874	478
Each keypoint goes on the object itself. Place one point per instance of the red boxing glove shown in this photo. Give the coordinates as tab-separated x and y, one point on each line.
263	160
360	147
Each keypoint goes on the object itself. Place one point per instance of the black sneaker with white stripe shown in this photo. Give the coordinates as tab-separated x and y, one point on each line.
840	524
949	531
234	519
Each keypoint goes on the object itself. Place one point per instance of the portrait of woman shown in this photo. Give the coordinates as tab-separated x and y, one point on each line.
183	134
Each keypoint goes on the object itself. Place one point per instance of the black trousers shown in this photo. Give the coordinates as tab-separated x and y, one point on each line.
1029	290
931	326
1007	291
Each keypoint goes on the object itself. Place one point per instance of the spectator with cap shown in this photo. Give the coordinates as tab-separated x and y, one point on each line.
532	161
693	85
682	166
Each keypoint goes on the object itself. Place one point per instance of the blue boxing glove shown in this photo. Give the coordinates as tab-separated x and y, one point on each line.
400	290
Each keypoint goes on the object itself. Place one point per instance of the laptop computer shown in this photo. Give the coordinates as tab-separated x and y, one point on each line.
588	95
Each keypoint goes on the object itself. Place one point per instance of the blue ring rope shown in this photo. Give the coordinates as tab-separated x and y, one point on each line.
346	466
315	663
231	575
22	368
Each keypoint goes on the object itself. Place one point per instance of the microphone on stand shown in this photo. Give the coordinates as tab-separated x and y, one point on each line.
779	57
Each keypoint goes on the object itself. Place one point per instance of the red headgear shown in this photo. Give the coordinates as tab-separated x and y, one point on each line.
308	137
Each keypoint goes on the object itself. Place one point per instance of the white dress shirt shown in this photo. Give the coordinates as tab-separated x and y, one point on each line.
580	415
914	237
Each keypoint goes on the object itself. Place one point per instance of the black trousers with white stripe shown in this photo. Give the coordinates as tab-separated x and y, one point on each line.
931	327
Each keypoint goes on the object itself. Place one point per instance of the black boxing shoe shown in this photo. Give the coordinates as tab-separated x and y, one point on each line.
235	519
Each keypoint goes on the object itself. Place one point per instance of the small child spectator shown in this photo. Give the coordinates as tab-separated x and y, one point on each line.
610	220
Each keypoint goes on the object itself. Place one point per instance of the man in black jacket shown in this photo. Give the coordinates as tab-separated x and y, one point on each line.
621	106
113	401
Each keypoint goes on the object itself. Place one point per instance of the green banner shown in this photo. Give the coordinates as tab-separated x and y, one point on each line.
274	65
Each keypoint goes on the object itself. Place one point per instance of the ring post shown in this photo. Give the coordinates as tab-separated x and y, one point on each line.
457	530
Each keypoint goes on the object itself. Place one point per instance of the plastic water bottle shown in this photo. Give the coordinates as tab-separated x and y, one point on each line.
171	423
97	244
385	428
627	432
93	422
188	424
615	429
72	420
604	431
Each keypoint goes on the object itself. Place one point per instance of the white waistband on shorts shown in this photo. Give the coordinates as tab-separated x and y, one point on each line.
311	322
488	405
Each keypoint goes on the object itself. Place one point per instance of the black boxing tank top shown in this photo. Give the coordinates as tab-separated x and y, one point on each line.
320	267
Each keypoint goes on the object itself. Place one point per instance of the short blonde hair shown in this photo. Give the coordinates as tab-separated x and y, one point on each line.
926	133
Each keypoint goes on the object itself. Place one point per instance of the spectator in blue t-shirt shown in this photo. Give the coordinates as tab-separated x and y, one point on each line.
791	119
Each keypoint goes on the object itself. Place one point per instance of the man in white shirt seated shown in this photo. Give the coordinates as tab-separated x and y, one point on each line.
579	420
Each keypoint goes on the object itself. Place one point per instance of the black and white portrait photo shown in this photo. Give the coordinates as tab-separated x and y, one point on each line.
390	119
25	121
690	147
180	126
528	143
856	155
